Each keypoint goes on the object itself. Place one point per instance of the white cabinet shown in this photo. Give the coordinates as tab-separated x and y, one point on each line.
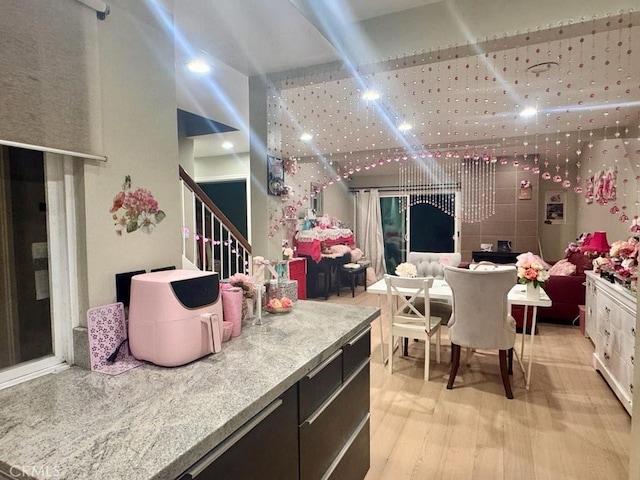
611	324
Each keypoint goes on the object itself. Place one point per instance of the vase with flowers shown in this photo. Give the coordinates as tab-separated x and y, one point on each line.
406	269
247	284
532	272
623	261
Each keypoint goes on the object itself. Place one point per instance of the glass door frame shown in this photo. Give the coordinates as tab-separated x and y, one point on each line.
60	172
457	224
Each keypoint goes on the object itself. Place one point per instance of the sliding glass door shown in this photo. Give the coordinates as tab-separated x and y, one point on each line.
394	231
431	229
423	227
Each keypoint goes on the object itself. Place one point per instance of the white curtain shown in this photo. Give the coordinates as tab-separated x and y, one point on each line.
369	229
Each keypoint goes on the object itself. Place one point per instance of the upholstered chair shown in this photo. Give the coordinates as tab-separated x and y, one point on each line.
431	264
481	318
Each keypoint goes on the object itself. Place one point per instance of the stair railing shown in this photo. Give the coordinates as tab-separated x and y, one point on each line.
209	240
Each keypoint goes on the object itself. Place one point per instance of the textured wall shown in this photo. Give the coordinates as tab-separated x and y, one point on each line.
140	139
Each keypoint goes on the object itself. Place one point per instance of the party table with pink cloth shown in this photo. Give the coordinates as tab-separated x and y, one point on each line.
309	242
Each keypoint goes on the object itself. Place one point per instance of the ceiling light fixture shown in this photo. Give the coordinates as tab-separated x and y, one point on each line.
529	112
305	137
198	66
227	145
539	68
370	95
405	127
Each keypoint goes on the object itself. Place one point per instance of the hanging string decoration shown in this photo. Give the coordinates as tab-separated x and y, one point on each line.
451	117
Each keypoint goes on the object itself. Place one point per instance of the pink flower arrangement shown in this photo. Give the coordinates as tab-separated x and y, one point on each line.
139	209
624	257
532	268
243	281
290	166
624	249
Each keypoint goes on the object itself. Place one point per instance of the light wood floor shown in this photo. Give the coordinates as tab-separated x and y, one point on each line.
569	425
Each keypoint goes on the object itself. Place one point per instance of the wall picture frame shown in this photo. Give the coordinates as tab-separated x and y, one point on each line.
315	198
275	176
555	207
525	193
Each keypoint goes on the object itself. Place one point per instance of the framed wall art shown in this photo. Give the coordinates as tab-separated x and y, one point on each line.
275	176
526	191
554	207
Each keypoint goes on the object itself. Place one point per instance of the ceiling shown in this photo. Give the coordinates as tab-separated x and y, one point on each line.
311	44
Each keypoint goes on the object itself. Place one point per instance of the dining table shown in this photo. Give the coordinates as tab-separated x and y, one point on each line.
440	290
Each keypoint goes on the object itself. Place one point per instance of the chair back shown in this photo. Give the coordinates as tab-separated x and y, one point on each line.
431	264
481	316
402	293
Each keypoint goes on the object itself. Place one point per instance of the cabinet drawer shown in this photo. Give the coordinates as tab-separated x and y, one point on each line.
319	384
244	455
606	313
622	372
355	462
324	434
356	351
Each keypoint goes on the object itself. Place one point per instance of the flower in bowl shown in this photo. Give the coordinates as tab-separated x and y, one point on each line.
283	303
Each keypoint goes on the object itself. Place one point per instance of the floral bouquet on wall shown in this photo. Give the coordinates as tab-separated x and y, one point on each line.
532	269
135	210
406	269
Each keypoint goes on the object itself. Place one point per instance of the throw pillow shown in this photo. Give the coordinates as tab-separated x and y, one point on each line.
356	255
581	261
563	267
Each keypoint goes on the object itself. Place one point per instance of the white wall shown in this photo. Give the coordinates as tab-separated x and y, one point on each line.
340	203
222	167
555	237
140	139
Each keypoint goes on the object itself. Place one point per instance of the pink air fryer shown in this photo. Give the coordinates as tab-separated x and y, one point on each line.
175	316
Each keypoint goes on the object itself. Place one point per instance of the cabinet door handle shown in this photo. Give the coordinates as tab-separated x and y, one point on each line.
319	368
359	336
607	332
633	331
631	387
217	452
632	359
608	310
335	395
606	356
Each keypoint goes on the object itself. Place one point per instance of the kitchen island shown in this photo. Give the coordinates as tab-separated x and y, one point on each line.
155	423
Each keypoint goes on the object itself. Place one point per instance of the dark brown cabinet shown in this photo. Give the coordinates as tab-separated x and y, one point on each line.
317	429
265	447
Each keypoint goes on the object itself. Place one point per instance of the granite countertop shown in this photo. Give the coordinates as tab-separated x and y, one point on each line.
153	422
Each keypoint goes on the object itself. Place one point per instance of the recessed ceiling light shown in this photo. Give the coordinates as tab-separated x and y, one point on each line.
227	145
539	68
370	95
529	112
305	137
198	66
405	127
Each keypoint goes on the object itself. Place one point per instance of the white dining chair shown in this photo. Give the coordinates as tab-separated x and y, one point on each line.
407	321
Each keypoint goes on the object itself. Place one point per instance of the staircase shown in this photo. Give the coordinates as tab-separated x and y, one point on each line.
209	240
